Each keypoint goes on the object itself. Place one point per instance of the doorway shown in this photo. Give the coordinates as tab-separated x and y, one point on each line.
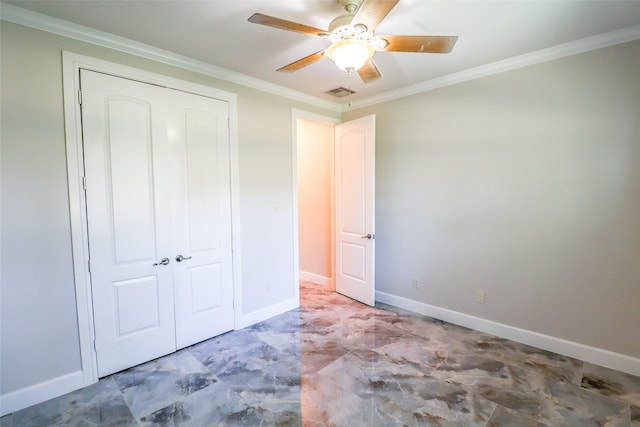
315	151
334	189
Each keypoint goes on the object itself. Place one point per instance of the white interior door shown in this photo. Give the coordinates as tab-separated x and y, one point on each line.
129	221
159	218
354	192
201	199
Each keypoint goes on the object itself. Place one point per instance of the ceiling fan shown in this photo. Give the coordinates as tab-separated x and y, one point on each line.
353	41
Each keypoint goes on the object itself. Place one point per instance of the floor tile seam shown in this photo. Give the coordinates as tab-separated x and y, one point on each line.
172	404
493	411
181	399
557	401
407	364
339	386
432	368
250	404
207	368
538	419
547	380
475	390
543	422
215	376
252	333
262	342
231	387
122	394
199	361
615	398
523	365
133	416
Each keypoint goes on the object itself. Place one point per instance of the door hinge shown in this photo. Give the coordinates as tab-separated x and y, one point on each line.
84	183
95	347
89	265
80	96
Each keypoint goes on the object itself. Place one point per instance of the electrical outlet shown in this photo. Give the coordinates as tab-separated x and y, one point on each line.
416	283
480	296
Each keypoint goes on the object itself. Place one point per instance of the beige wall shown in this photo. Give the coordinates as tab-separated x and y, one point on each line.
39	329
526	185
314	197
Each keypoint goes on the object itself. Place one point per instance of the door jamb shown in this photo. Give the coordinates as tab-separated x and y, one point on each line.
71	65
296	115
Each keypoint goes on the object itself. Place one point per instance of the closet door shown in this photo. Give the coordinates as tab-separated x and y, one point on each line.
201	200
129	220
159	218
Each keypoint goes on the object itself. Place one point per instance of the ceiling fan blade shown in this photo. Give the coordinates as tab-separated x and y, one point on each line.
270	21
300	63
420	44
369	71
372	12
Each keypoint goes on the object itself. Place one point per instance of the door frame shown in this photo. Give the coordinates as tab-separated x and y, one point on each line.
71	65
297	114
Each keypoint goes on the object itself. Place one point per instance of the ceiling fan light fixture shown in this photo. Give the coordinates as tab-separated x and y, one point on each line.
350	55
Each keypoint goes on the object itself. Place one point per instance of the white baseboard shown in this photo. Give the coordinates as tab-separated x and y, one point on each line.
25	397
267	312
315	278
573	349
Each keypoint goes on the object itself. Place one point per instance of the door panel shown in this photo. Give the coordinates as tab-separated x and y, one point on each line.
353	173
132	316
128	154
202	218
128	211
205	292
354	262
202	179
354	180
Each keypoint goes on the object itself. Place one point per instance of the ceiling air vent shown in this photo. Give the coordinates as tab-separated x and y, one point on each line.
339	92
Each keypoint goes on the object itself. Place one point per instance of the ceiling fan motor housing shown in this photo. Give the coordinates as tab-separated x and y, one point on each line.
341	26
350	5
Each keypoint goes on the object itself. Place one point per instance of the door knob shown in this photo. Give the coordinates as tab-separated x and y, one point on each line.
367	236
163	261
181	258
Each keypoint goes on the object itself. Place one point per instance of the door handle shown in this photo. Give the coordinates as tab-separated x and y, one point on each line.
181	258
163	261
367	236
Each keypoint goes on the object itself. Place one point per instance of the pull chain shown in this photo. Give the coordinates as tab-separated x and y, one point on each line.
349	72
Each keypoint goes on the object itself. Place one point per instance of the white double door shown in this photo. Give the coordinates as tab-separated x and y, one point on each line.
159	218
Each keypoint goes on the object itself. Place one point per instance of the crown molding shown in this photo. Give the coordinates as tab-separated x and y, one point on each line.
63	28
556	52
60	27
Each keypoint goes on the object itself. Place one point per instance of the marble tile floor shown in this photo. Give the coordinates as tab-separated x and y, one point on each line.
335	362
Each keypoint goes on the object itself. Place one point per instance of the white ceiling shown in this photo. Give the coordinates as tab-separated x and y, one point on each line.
217	32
